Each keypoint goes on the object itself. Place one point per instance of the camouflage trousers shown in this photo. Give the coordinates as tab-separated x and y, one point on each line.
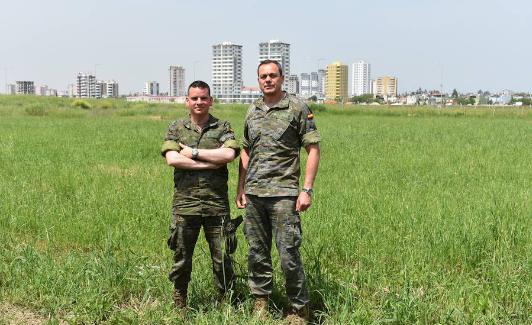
276	217
184	233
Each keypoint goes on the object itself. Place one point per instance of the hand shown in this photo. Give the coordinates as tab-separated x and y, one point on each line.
241	200
304	200
185	150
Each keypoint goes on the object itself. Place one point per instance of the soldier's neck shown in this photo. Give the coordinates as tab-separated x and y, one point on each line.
273	99
200	121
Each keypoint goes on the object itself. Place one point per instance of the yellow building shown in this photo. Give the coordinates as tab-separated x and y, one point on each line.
386	86
336	82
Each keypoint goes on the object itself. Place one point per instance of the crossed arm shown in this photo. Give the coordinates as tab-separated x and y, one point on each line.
207	158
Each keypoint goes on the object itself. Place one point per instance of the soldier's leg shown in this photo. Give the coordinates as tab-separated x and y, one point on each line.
258	231
287	231
222	269
183	242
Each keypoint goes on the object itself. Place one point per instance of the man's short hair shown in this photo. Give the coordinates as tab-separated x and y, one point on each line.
271	61
199	84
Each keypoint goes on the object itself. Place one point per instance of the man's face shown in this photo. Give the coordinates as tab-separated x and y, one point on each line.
270	80
198	101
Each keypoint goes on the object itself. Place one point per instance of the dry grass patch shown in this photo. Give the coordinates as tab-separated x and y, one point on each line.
17	315
115	170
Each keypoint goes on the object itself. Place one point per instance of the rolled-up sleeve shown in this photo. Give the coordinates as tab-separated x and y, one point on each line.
229	140
171	140
307	128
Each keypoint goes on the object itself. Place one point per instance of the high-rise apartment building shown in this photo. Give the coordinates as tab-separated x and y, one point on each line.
227	71
279	51
111	89
314	84
361	78
151	88
386	86
304	85
322	76
336	82
293	84
86	86
25	88
177	81
101	88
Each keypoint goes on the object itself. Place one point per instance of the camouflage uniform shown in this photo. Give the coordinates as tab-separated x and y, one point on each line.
200	199
274	137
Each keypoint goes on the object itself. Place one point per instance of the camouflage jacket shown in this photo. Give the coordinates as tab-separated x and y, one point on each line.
200	192
274	137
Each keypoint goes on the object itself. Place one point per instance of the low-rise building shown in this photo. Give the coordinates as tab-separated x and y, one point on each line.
157	99
11	89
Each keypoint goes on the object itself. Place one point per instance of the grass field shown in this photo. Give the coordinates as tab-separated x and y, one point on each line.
420	216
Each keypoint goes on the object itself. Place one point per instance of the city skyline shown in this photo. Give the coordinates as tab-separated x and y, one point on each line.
466	45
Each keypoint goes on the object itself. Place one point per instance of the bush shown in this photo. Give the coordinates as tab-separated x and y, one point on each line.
316	107
81	104
105	104
35	110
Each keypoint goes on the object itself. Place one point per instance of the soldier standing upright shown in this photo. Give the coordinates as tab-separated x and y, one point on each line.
276	127
199	147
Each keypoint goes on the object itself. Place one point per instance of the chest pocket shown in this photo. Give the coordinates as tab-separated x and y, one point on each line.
188	137
211	139
284	127
280	126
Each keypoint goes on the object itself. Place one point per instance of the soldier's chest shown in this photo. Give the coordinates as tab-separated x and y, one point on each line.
208	138
273	124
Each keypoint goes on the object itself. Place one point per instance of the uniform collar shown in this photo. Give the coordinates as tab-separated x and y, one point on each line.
212	121
283	103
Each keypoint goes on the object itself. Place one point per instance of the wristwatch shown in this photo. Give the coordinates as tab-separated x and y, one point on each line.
195	153
309	191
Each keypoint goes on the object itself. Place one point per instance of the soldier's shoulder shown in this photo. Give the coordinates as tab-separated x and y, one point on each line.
298	105
177	123
252	107
224	123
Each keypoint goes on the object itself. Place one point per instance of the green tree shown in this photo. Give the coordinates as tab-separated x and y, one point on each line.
455	93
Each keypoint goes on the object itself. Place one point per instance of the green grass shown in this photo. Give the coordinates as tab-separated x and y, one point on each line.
420	216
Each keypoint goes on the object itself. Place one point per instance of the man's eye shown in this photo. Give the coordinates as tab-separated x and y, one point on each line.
194	98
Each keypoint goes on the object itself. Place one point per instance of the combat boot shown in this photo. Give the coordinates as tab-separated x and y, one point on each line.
298	316
260	307
180	298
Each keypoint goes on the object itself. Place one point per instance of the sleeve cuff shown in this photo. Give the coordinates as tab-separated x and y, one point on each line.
169	146
310	138
245	143
233	144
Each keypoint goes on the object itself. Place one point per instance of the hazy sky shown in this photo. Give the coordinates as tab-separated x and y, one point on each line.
469	44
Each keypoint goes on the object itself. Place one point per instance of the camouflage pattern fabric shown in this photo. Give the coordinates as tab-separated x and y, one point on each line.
184	235
200	192
200	199
267	217
274	137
